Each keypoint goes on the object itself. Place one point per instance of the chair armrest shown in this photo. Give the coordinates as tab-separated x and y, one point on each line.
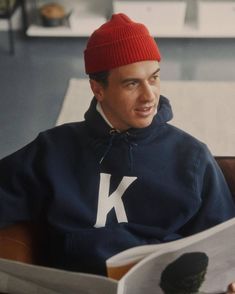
227	165
17	242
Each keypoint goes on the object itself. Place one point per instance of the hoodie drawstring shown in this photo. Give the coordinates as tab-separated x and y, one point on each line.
112	133
130	150
116	134
130	157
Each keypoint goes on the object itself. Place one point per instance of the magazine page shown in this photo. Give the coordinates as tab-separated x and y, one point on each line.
12	285
22	278
120	263
218	263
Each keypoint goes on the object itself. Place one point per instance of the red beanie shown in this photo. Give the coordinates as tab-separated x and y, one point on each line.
118	42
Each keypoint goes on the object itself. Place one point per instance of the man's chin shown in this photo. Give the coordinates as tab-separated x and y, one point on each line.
143	123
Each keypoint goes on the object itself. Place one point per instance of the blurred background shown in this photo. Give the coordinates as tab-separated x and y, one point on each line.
42	43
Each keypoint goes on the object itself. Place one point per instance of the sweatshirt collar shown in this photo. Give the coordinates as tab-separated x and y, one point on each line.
101	128
104	136
101	112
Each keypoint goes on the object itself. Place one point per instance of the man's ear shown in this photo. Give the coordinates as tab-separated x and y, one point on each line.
97	89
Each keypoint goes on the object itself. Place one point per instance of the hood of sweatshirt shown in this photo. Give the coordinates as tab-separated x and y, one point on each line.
105	137
99	128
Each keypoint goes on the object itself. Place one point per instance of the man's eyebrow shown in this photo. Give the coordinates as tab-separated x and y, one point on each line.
130	79
155	72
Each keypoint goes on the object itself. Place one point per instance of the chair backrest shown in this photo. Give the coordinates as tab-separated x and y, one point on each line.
22	242
227	165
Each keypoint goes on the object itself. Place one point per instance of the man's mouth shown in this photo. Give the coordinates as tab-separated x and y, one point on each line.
145	111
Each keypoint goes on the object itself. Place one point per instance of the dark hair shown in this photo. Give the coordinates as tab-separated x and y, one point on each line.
100	77
185	275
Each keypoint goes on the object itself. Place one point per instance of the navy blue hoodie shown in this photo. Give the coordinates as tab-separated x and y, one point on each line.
100	191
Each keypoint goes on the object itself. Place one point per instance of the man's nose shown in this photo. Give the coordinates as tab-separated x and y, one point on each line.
147	93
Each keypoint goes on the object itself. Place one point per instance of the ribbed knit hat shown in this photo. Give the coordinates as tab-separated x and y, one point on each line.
118	42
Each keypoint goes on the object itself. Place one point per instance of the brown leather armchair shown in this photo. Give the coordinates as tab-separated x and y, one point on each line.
22	242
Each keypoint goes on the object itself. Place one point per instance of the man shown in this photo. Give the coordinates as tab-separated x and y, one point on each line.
123	177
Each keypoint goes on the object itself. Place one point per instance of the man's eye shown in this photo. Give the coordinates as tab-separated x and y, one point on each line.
154	78
131	84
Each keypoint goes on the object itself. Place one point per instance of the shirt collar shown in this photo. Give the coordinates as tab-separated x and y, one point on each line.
101	112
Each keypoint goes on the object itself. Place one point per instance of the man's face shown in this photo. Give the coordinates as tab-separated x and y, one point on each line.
130	100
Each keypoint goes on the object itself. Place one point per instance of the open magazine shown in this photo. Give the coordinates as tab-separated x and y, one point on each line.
205	259
21	278
140	269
